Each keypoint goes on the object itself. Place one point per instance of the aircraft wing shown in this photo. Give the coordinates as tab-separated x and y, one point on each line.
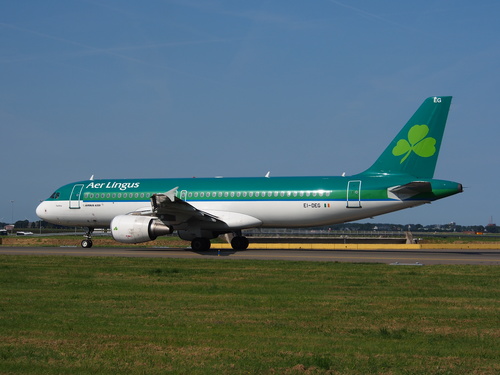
175	211
169	208
409	190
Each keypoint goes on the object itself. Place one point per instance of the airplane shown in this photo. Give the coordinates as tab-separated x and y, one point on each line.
201	209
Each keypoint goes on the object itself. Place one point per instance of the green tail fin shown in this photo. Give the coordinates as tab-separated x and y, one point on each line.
415	149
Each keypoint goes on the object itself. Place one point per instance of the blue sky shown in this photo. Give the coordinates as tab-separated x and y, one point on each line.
119	89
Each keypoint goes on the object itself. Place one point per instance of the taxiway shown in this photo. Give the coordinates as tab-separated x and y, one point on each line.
388	256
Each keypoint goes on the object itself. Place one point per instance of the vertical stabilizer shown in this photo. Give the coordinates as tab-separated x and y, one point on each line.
415	149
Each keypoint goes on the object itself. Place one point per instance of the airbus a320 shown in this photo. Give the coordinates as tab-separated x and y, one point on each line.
201	209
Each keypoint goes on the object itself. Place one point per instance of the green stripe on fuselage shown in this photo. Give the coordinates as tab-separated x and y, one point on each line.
249	189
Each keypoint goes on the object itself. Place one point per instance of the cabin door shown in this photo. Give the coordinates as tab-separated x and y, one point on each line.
354	194
75	197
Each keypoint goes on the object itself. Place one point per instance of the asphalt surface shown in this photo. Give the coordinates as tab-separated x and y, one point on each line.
392	256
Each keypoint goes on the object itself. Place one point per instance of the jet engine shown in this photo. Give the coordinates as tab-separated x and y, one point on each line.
136	229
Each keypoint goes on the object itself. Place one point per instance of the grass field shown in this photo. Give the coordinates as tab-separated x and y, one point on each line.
99	241
81	315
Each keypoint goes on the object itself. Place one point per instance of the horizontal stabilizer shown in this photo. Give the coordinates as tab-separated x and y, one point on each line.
407	191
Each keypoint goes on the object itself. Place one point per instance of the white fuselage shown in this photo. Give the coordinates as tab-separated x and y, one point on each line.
270	213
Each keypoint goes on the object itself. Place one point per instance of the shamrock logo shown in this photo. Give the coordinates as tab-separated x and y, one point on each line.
417	142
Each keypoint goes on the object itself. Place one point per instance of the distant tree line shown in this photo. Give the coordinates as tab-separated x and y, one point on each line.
26	224
451	227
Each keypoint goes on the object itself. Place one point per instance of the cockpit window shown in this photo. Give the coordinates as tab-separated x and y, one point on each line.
55	195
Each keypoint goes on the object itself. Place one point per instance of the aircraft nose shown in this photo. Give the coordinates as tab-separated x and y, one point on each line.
41	210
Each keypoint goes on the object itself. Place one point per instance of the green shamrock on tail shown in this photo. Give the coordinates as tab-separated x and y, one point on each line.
416	142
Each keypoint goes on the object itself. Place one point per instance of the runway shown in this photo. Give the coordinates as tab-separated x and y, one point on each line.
389	256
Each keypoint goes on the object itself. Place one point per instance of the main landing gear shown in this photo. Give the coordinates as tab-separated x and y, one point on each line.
87	242
203	244
239	243
200	244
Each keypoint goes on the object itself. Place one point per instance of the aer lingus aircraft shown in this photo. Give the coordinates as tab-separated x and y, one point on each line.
200	209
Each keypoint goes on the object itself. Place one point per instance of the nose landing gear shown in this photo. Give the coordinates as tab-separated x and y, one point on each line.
87	242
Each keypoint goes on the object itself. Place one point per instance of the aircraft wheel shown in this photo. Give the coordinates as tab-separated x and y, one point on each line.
239	243
200	244
86	244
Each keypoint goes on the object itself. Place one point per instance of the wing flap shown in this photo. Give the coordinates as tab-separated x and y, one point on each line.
236	220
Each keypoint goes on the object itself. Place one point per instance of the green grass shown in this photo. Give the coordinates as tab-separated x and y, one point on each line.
71	315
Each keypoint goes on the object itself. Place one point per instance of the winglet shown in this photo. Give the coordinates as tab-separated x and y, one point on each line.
171	193
158	199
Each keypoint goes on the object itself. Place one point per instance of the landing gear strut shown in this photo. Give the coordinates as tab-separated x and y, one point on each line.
87	242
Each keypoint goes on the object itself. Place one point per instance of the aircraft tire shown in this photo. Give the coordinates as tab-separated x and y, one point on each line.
200	244
86	244
239	243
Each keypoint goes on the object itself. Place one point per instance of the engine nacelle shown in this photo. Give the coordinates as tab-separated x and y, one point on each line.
136	229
